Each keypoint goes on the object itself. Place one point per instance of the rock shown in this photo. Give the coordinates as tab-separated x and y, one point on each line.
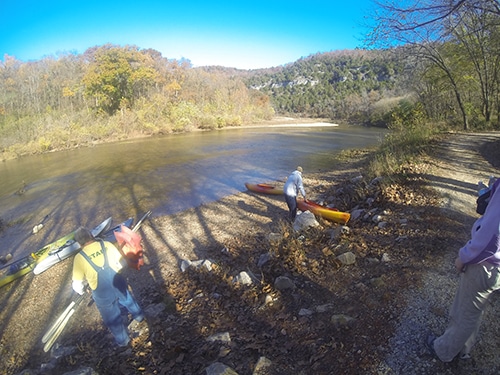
185	264
218	368
305	221
305	312
371	260
5	259
263	259
355	214
137	329
283	283
262	365
155	309
243	278
37	228
222	337
377	282
343	229
347	258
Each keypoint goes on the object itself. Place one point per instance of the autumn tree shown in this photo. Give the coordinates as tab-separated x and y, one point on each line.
117	76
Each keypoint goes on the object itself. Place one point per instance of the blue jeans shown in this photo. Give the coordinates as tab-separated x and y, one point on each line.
108	303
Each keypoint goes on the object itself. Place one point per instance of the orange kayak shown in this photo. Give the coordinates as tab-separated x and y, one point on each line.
264	188
331	214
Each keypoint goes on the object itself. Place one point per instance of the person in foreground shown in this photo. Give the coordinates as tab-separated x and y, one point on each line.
99	263
478	263
291	189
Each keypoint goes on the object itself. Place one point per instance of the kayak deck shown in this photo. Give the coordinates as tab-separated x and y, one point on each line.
264	188
30	262
331	214
68	249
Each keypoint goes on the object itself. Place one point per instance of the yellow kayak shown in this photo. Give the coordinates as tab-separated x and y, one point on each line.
331	214
28	263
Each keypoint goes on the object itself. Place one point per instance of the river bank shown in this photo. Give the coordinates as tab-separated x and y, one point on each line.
408	260
18	151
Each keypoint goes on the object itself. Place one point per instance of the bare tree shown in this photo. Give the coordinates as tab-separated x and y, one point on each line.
425	26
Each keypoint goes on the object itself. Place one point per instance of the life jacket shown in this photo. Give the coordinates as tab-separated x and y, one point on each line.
130	245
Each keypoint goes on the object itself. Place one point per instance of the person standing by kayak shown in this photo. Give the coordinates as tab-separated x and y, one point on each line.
291	189
99	263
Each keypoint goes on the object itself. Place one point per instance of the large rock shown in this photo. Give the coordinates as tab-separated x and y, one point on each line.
218	368
304	221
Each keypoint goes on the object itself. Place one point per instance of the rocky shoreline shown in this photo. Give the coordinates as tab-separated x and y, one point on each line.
306	306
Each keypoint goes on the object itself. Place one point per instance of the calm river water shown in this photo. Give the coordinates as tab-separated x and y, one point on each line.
166	174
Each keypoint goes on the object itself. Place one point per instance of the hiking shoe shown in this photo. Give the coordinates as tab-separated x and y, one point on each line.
429	343
121	347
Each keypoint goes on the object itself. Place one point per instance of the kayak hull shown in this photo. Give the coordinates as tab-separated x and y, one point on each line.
331	214
264	188
69	248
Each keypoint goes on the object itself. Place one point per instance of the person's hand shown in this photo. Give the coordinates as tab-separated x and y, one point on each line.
79	286
459	265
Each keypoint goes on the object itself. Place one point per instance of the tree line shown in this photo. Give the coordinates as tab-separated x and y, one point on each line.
113	92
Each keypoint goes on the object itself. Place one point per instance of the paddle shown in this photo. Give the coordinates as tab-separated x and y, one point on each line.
50	337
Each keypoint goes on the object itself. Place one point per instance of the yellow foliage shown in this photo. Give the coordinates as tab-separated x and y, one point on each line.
44	144
67	92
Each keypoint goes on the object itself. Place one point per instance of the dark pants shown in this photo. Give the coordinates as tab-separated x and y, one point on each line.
291	201
108	297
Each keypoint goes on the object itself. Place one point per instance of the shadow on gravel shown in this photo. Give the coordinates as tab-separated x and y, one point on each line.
490	151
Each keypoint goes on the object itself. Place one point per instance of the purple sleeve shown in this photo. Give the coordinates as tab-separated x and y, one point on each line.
484	242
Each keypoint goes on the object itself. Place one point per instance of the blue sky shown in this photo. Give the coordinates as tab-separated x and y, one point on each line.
238	33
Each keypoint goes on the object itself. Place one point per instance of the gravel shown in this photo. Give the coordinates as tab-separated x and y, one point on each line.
461	165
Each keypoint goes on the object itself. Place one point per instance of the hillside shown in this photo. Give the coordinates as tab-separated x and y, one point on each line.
343	85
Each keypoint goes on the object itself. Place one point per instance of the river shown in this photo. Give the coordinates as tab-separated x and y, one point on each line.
164	174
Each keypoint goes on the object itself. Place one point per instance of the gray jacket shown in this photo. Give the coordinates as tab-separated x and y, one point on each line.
294	184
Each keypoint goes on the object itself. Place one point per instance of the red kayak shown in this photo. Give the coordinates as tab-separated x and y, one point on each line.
264	188
331	214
